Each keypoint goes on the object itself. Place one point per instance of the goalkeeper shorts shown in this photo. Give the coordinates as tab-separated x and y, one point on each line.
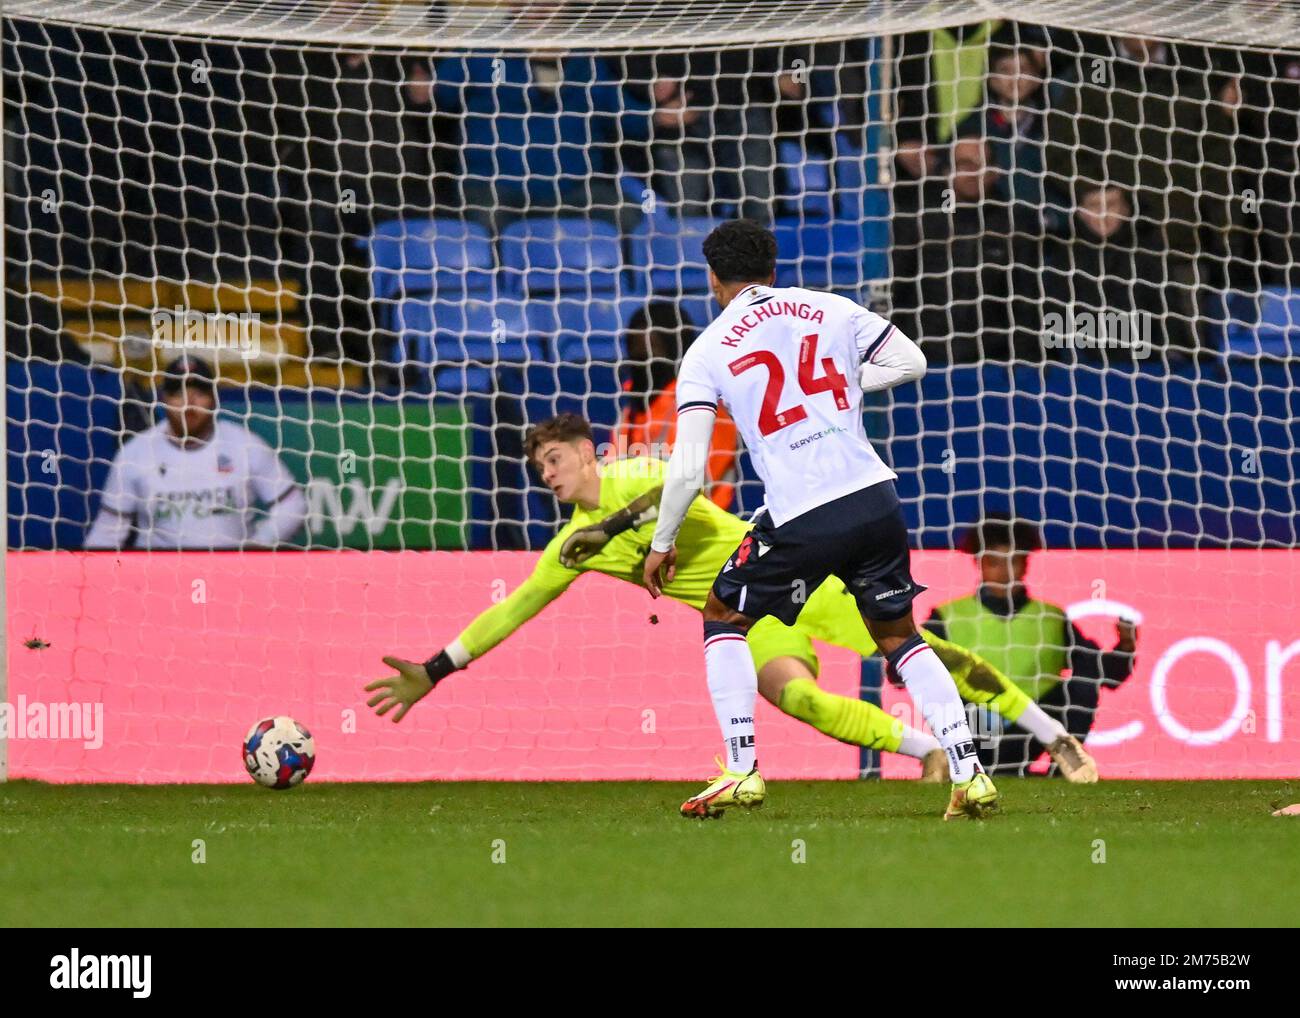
831	616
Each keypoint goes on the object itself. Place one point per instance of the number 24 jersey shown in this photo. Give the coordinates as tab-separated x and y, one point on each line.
785	363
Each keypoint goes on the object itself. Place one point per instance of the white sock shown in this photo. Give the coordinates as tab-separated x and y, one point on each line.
1040	725
934	692
733	686
917	743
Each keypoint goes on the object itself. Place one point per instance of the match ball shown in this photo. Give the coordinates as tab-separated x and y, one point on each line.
279	753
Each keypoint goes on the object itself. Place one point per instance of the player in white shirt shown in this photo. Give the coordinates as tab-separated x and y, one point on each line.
791	366
193	481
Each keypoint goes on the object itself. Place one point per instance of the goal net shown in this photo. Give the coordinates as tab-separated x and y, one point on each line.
383	239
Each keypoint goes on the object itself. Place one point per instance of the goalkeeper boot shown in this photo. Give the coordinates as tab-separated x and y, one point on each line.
934	768
976	799
1068	754
728	789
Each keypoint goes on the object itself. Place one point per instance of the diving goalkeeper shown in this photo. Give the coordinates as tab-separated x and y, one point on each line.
615	506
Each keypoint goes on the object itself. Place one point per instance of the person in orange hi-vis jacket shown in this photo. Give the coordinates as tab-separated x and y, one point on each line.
657	336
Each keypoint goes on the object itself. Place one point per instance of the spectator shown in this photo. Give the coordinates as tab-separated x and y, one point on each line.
1032	642
1012	120
679	159
192	481
541	134
823	89
1105	270
960	270
711	134
1132	121
658	336
1267	151
940	77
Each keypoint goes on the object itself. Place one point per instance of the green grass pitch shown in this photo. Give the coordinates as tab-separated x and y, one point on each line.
874	854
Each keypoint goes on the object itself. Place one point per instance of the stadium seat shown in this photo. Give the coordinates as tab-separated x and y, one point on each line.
806	188
582	330
565	255
819	255
1279	321
1253	324
462	341
447	257
850	179
700	308
669	253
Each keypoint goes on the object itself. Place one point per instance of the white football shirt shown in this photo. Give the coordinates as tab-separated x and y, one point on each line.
785	361
198	497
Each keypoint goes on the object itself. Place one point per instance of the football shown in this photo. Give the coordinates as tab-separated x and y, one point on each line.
279	753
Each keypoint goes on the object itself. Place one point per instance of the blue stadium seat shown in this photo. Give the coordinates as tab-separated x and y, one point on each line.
699	307
1252	324
806	181
447	257
1280	310
819	255
462	341
850	179
565	255
581	330
670	253
1278	332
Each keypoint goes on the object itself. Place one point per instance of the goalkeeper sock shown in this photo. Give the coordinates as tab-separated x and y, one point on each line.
1039	724
933	691
849	720
733	687
978	681
918	744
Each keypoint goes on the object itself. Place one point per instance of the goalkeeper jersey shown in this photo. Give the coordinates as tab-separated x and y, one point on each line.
708	536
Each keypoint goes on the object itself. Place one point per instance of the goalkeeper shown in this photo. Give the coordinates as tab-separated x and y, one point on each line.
615	506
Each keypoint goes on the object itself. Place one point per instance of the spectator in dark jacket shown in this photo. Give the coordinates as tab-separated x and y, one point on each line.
940	78
358	130
960	270
1107	272
1150	117
1012	120
711	135
1267	150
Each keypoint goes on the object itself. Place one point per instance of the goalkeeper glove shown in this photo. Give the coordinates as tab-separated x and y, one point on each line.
412	683
584	543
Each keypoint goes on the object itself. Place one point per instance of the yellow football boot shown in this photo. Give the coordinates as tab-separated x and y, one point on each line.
976	799
728	789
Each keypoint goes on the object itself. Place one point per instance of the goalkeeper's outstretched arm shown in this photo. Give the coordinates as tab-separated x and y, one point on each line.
414	680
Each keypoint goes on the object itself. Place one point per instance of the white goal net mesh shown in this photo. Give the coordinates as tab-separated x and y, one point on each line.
385	239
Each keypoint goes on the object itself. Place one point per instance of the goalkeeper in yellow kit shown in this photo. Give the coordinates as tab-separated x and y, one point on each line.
615	506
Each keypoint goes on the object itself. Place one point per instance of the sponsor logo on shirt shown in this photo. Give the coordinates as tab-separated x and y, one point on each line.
199	505
794	446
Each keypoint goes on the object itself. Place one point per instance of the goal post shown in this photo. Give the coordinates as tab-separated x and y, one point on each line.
398	234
